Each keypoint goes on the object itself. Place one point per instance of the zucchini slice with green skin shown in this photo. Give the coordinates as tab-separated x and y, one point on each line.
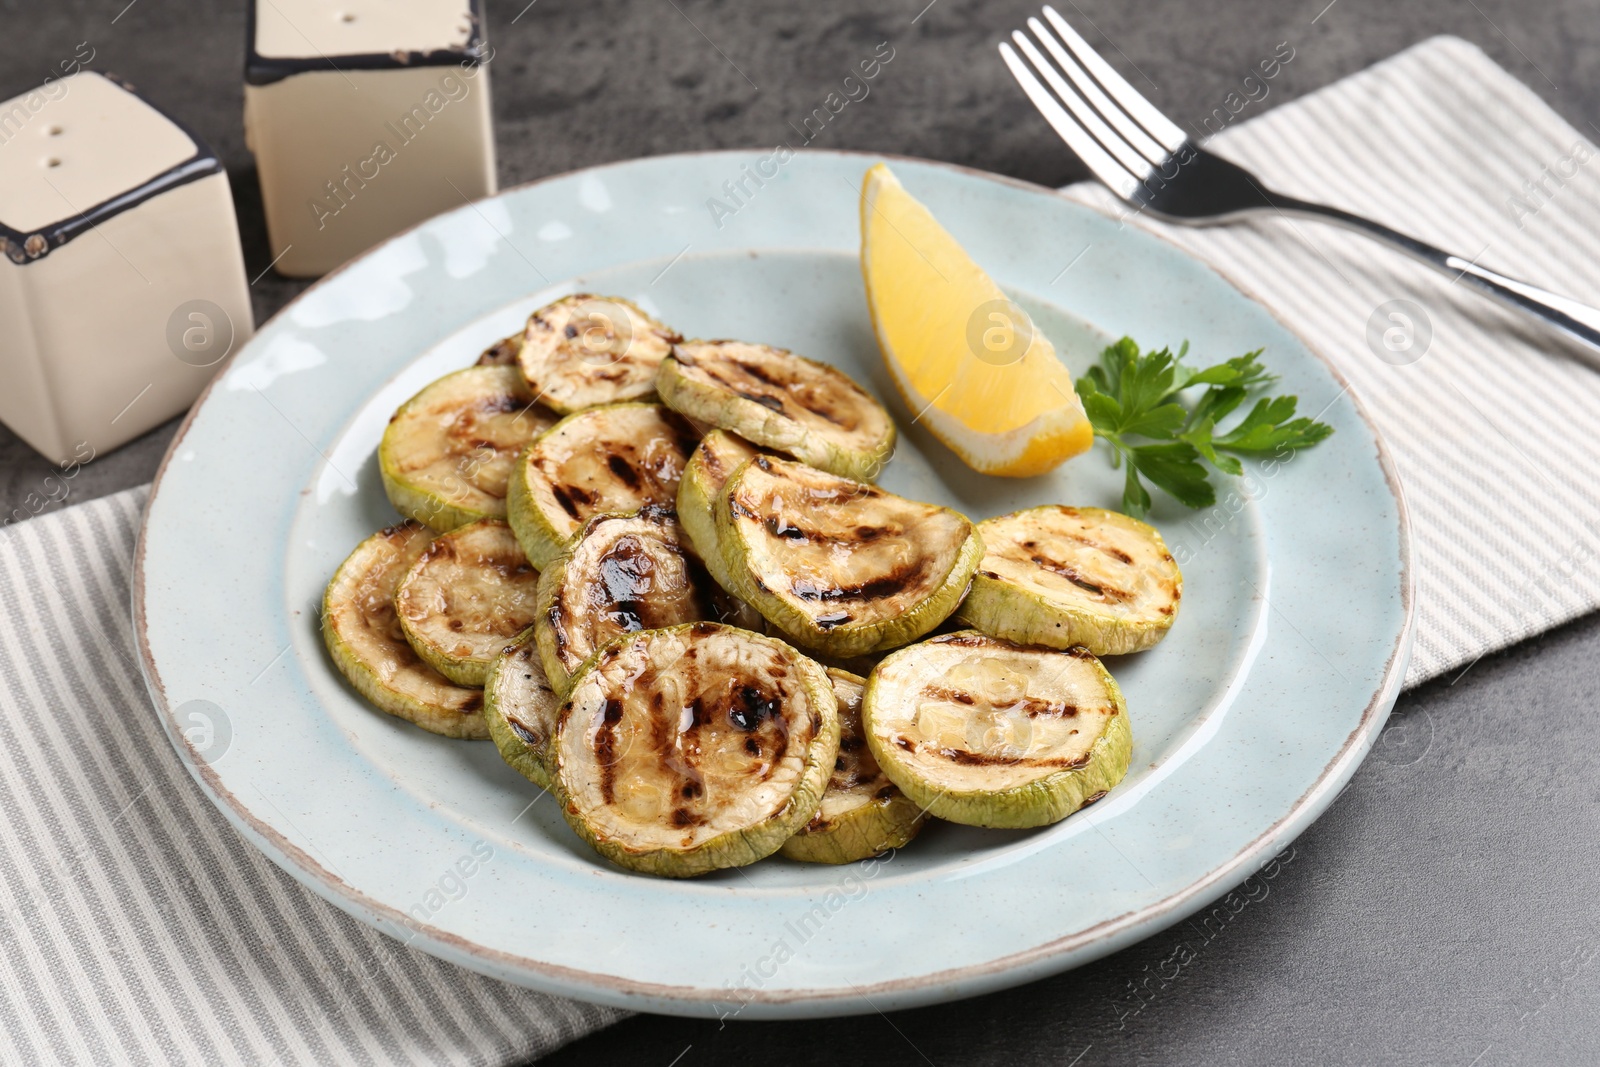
448	451
626	573
776	399
1060	576
585	350
840	566
985	732
613	459
471	591
862	813
503	353
363	634
520	707
718	455
685	750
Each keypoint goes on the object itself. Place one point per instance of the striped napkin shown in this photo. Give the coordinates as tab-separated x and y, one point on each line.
137	927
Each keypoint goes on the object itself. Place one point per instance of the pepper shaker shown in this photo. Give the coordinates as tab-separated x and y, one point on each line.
365	117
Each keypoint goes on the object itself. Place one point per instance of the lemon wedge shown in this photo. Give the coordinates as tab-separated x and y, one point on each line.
967	361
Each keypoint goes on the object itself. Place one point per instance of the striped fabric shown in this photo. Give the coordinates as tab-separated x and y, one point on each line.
1492	423
137	927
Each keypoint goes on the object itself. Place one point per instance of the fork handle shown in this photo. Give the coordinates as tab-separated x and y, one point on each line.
1575	319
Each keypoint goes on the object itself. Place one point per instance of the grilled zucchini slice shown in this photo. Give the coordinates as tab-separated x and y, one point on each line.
840	566
862	813
1060	576
985	732
719	454
618	458
778	400
470	592
520	708
684	750
626	573
503	353
447	451
363	635
585	350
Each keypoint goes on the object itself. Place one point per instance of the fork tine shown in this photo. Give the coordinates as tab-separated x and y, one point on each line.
1087	117
1131	131
1133	101
1108	170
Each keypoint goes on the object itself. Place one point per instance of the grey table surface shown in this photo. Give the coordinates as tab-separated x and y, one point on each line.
1446	909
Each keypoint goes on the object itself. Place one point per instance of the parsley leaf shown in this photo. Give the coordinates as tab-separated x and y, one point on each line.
1135	403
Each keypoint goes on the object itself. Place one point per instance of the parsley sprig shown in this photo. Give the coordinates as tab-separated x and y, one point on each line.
1136	403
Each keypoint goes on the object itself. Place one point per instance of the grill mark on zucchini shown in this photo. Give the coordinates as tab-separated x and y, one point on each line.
894	582
503	353
677	754
524	734
712	458
788	531
626	576
754	708
1110	550
790	390
981	759
747	708
499	405
781	527
564	498
766	400
756	372
605	747
557	617
624	472
1071	575
1115	553
1031	706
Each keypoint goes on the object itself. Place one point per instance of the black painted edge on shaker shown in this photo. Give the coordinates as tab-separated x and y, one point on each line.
24	248
265	70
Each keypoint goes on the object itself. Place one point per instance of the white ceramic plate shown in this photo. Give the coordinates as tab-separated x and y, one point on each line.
1247	720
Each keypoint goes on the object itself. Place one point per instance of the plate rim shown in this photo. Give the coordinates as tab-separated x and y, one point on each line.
609	988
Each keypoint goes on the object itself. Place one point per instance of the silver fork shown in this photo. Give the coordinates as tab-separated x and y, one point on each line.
1144	158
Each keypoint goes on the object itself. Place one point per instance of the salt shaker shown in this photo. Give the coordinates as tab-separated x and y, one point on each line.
122	281
365	117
